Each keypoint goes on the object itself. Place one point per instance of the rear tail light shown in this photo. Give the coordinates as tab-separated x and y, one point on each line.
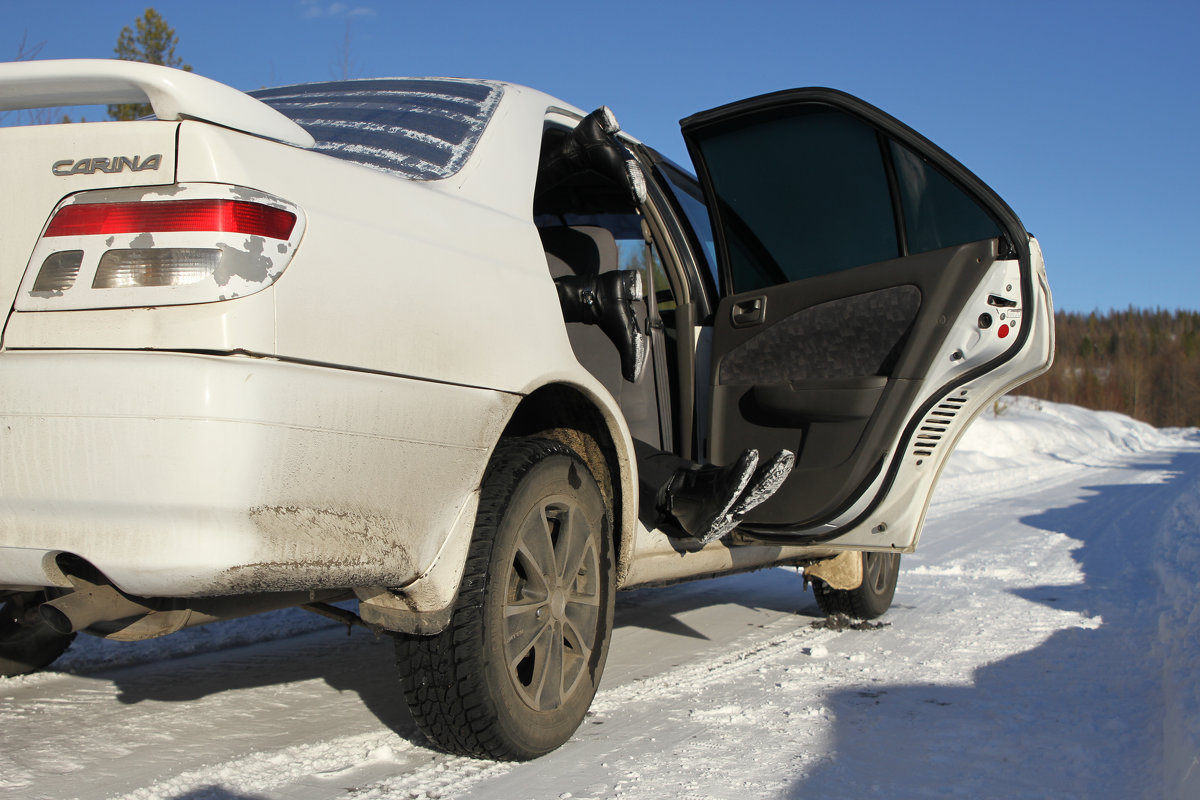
196	243
172	216
58	272
170	266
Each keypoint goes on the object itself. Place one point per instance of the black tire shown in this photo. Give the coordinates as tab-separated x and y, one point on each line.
512	676
27	643
873	596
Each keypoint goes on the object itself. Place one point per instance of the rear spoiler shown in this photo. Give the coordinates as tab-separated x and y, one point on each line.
174	94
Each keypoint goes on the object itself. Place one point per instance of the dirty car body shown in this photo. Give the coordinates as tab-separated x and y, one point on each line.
306	346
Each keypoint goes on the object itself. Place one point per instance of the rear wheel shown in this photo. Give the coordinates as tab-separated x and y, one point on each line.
27	643
514	673
872	597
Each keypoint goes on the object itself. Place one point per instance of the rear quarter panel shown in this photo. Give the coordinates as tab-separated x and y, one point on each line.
406	277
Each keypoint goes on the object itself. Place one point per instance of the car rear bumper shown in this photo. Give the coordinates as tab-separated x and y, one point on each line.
183	474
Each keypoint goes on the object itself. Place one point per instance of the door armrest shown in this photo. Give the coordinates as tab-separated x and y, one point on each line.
798	402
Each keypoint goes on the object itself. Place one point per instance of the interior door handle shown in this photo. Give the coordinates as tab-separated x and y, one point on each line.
749	312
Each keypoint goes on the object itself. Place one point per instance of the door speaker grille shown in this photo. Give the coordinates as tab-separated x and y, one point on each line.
933	428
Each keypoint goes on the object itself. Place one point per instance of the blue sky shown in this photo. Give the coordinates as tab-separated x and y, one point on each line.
1084	116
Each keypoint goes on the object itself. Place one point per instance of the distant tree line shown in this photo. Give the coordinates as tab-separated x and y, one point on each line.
1139	362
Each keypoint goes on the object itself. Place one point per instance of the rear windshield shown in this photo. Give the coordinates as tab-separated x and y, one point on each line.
416	128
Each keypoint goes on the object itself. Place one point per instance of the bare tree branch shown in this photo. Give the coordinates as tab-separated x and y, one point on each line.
32	116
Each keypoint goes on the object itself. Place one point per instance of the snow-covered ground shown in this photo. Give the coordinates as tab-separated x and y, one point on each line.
1044	642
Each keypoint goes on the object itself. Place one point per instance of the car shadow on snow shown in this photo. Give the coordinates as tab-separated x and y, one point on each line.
354	661
664	609
216	793
1079	715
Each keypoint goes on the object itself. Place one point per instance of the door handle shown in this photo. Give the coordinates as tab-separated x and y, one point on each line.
749	312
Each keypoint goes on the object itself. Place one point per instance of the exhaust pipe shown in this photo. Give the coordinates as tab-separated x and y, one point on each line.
95	602
88	604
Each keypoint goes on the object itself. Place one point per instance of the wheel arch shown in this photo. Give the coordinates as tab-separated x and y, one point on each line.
578	418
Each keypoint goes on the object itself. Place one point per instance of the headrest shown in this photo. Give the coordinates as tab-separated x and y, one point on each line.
587	249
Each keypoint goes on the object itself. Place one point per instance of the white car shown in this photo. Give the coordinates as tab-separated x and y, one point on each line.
306	345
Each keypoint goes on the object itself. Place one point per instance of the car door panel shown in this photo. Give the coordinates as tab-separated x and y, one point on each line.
828	372
815	350
842	338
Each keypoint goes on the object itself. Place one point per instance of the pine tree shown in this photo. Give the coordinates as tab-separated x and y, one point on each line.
153	43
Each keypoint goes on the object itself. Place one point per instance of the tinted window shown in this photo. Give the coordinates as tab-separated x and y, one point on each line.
800	195
414	128
936	212
691	202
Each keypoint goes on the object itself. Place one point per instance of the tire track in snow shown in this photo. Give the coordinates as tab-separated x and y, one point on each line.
385	765
330	768
693	676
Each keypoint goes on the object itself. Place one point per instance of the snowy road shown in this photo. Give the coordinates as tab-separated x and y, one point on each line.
1043	643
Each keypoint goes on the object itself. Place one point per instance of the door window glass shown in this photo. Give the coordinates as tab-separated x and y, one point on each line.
625	228
691	202
937	213
800	195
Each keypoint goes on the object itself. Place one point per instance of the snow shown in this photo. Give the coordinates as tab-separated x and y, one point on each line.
1044	642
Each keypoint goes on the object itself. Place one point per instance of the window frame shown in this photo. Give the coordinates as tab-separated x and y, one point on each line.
888	130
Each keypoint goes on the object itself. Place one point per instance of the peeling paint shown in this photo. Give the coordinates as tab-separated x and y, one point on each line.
243	193
248	263
126	194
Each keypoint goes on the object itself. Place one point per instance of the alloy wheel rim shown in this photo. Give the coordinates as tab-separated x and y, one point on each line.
552	604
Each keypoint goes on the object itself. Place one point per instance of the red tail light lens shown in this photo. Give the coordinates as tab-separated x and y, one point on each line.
142	247
170	216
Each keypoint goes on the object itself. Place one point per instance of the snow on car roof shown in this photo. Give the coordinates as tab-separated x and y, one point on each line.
417	128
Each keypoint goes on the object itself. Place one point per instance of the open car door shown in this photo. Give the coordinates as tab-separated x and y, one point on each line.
875	296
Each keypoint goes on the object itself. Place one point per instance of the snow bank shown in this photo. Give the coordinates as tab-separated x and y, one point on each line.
1025	432
1022	442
